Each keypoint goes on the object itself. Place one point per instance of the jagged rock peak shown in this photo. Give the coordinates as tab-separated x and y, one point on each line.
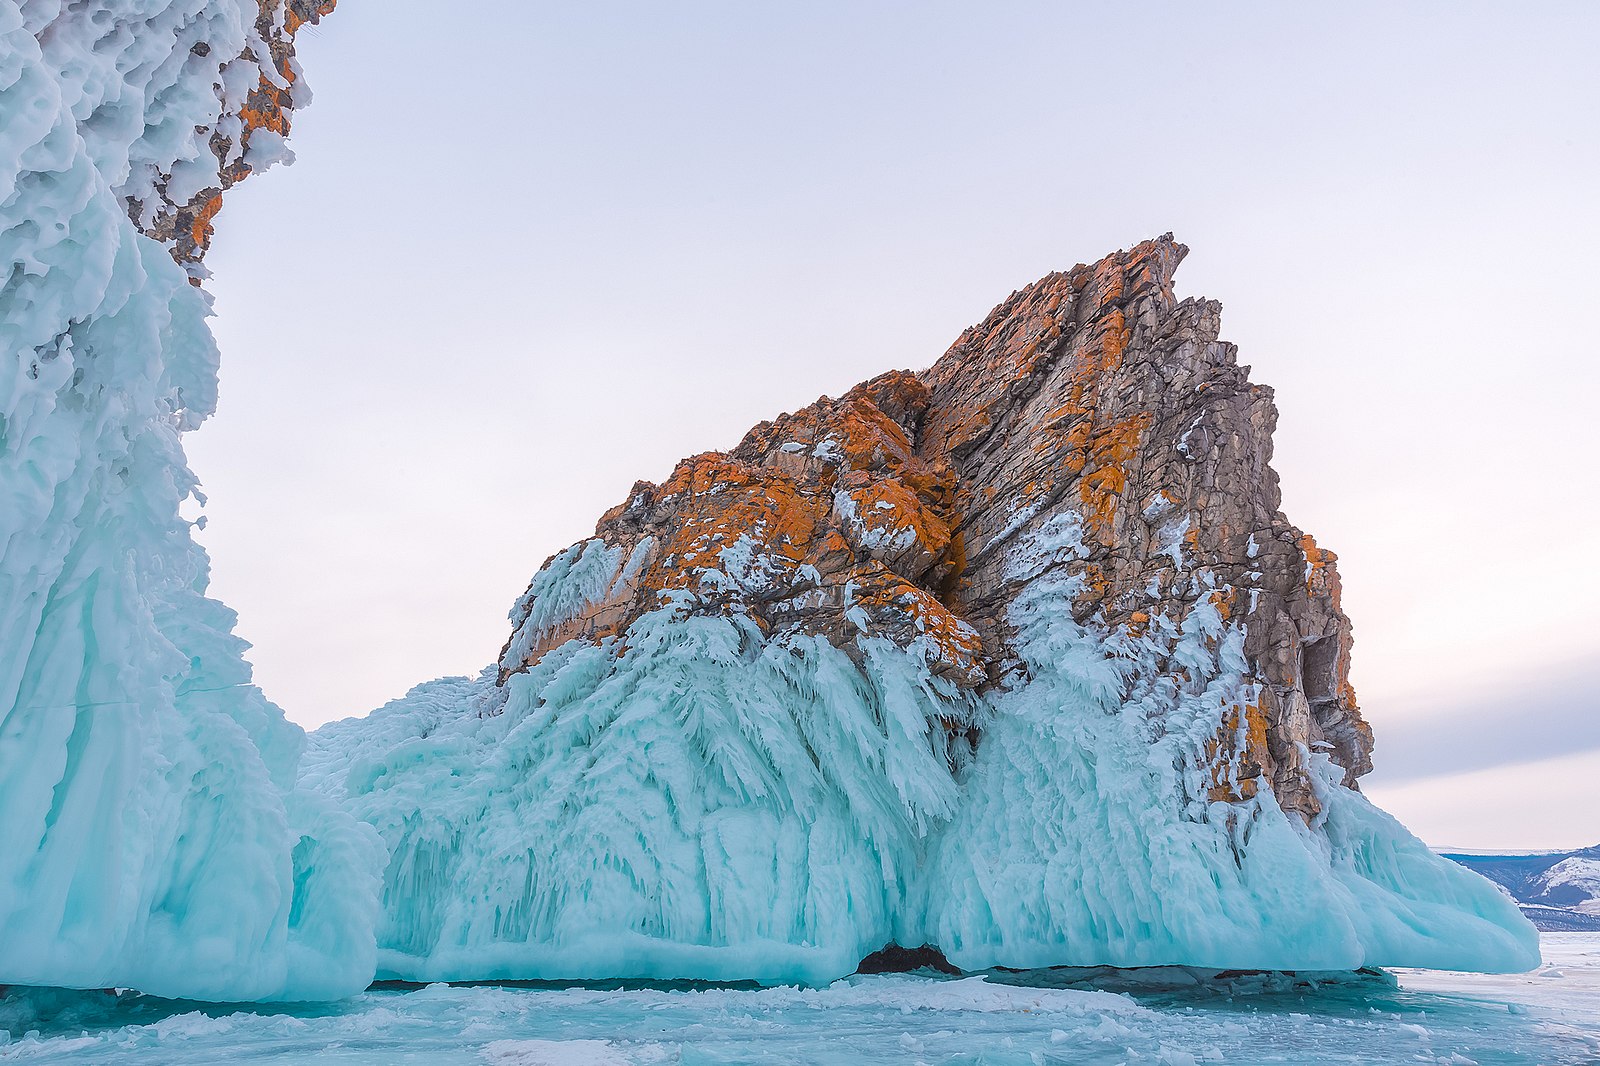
1093	397
1014	658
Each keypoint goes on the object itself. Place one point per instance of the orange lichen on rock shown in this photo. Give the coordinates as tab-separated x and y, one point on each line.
1102	488
833	518
887	520
717	501
1237	755
967	431
186	227
297	13
870	439
269	105
1319	561
200	228
953	648
1102	355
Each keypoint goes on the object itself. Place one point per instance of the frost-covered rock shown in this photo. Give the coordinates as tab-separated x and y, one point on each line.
151	832
1015	656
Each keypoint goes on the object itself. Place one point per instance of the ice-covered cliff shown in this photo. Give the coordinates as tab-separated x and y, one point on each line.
151	832
1015	656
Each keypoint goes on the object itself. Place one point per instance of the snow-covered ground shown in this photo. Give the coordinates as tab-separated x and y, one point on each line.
1546	1018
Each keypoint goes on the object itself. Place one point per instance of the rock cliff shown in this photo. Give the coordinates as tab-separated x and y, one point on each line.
1014	657
1094	394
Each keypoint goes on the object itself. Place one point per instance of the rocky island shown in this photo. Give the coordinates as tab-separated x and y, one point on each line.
1015	658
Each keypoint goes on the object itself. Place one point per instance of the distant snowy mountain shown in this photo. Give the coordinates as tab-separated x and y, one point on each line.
1559	891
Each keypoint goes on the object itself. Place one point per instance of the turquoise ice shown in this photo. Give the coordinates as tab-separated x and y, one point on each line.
697	799
1168	1017
151	833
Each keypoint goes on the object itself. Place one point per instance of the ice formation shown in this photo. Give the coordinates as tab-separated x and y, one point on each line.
1015	657
151	831
699	800
1090	831
1167	1017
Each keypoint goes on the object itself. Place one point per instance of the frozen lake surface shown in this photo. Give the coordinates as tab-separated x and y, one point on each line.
1548	1017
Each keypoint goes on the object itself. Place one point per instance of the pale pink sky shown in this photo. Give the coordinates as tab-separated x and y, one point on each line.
529	255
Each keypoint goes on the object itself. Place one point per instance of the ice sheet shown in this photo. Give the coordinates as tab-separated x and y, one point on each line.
1162	1016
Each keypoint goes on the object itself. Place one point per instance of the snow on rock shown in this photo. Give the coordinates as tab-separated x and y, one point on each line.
1558	891
151	833
974	658
1574	881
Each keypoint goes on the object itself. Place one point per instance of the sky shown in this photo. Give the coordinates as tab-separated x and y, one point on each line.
531	253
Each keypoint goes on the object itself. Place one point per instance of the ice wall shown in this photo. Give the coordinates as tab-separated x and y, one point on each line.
693	801
700	799
151	833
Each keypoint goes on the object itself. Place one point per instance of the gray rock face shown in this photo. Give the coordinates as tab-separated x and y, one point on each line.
1097	391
